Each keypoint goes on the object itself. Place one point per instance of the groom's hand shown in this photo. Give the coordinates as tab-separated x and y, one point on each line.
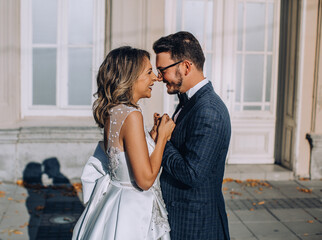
154	130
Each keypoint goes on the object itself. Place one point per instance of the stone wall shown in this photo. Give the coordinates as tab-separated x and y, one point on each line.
70	146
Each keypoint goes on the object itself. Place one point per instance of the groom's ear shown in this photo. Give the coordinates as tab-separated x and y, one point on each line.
187	66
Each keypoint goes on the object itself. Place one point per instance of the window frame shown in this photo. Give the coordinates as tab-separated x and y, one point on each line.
61	108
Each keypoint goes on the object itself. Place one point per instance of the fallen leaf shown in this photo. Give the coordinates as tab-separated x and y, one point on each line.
305	190
225	189
10	198
252	180
2	194
310	221
238	181
25	225
235	193
304	179
252	209
20	182
265	184
254	203
227	180
17	232
261	203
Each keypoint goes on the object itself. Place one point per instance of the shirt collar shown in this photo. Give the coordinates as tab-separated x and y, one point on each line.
195	88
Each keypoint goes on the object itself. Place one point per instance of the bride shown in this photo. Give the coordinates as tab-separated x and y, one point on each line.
126	201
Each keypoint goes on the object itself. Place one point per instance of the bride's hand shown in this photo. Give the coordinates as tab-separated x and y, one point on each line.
154	130
166	127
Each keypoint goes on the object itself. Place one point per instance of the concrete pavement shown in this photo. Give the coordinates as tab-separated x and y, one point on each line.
257	209
274	209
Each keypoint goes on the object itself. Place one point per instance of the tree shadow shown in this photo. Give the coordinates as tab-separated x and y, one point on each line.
53	208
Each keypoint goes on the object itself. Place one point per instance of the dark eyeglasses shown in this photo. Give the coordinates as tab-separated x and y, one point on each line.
160	70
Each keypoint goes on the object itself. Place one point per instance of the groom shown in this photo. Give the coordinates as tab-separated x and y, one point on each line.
194	159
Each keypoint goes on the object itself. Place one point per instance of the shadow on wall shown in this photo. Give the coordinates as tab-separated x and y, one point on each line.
52	202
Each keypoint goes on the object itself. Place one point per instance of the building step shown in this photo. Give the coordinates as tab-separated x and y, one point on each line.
269	172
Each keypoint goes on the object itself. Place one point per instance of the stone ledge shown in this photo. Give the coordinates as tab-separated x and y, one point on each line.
9	136
50	135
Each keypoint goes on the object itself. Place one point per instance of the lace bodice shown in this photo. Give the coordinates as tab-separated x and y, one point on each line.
115	151
118	114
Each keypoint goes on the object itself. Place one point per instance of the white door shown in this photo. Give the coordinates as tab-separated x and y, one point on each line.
240	41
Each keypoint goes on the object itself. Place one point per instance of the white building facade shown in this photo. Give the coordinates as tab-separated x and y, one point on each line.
262	57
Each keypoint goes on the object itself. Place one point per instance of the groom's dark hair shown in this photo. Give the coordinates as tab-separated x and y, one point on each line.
181	46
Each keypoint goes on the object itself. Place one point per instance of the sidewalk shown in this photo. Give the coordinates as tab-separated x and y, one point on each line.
274	209
256	210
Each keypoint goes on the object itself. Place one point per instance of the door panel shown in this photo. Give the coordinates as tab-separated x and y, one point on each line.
251	52
289	80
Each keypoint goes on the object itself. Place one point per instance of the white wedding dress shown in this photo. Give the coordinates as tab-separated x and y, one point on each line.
116	208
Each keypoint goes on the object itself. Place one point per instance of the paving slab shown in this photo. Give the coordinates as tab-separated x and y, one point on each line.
271	230
238	231
316	213
291	215
311	184
232	218
292	189
305	227
312	237
234	190
260	215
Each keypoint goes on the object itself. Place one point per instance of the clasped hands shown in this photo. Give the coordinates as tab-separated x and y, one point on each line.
156	124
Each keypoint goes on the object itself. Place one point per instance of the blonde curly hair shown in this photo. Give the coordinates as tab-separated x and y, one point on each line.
115	79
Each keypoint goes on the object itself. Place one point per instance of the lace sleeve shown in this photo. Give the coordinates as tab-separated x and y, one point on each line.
118	115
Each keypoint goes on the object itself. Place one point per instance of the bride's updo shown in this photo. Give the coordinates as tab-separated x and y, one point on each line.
115	79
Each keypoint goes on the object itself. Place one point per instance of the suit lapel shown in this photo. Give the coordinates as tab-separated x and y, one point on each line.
192	101
175	112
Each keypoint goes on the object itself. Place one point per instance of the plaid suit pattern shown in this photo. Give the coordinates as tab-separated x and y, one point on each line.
193	168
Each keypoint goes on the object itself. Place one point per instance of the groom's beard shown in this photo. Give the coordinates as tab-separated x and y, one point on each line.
173	88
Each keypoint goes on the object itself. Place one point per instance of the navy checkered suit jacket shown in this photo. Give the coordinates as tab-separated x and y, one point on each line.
193	168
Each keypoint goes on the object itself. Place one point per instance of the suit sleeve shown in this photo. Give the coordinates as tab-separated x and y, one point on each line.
202	148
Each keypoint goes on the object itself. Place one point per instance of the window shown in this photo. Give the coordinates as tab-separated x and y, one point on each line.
62	48
254	54
240	42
